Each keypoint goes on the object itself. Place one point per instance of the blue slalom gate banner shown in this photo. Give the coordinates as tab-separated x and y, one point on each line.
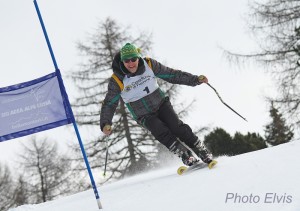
31	107
39	105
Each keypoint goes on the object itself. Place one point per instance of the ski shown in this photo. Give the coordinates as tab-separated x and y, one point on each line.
199	165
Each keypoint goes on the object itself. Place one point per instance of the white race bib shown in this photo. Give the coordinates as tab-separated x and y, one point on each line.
139	86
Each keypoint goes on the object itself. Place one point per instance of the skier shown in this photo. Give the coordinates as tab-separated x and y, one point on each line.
134	80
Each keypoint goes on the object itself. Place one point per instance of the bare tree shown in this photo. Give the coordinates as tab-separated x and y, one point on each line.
6	188
131	147
276	25
45	172
21	192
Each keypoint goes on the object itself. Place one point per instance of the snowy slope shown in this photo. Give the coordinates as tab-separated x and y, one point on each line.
264	180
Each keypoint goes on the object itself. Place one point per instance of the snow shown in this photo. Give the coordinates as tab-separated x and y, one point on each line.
262	180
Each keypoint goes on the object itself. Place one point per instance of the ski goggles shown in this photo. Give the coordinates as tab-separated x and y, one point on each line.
130	60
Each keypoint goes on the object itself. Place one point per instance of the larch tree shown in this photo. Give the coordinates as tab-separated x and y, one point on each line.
275	24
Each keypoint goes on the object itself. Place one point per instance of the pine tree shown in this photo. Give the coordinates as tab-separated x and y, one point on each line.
247	143
219	142
277	132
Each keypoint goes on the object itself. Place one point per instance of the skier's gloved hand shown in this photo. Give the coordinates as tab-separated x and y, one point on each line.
107	130
202	79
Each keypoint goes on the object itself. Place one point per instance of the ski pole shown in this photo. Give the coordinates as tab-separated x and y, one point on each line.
226	103
106	157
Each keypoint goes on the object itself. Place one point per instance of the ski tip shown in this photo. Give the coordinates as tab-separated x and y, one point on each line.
212	164
181	170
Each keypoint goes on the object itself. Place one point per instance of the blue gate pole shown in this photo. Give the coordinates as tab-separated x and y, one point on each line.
62	88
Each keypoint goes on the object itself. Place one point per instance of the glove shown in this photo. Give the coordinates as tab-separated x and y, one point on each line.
202	79
107	129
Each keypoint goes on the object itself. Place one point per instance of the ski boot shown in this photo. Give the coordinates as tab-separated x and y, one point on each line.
201	151
184	153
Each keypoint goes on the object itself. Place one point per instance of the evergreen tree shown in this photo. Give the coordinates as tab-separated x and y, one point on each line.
247	143
219	142
277	132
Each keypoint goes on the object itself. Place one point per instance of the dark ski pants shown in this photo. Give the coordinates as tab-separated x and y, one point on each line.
166	127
